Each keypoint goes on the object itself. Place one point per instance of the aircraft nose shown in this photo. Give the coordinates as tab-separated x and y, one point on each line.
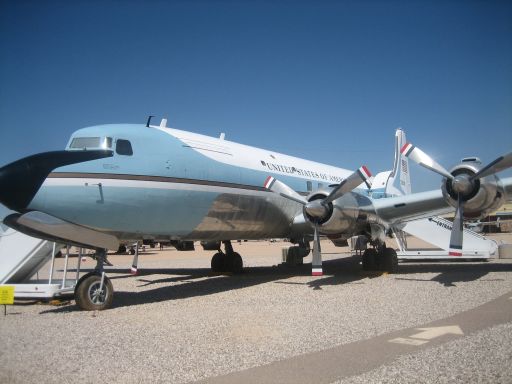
20	180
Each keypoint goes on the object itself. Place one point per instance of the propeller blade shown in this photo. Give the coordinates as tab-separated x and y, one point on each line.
457	230
317	254
134	269
282	189
498	165
347	185
420	157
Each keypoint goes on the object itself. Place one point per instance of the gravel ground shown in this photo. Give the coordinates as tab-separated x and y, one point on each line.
176	323
484	357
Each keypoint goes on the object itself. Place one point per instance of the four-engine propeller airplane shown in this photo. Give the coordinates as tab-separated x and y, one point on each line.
124	182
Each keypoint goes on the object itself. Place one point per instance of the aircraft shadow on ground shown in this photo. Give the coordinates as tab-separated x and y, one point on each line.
194	282
449	274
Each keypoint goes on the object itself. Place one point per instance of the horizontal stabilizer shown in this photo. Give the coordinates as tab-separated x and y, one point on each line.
44	226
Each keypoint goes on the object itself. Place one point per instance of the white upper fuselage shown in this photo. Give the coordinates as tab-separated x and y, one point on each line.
244	156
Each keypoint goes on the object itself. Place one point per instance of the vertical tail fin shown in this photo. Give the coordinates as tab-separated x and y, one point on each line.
399	181
405	177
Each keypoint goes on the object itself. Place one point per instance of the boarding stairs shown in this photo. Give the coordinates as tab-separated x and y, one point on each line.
21	260
437	231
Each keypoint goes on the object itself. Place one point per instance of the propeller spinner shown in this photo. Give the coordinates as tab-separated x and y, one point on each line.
316	211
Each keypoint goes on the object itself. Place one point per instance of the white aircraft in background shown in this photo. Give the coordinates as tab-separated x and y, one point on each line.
121	183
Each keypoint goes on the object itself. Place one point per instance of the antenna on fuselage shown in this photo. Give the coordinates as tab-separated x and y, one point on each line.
149	120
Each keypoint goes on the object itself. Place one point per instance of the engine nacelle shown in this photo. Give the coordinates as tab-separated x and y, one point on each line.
480	196
338	217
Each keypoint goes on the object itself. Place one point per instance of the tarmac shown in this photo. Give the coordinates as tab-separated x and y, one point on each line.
176	322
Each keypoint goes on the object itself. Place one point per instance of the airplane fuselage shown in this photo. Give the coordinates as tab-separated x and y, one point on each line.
168	184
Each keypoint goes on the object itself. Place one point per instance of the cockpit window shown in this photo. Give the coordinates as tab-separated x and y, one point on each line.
85	142
123	147
91	143
107	142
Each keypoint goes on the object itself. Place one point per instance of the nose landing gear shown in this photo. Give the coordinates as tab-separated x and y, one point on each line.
94	291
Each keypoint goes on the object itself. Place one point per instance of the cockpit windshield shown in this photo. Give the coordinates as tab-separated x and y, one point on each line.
91	143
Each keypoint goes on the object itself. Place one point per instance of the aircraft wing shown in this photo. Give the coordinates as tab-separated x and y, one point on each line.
395	210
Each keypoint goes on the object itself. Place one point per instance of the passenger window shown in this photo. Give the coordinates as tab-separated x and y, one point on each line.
124	147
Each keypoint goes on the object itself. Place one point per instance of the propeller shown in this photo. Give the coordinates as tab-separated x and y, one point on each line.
134	269
316	264
457	230
318	210
462	185
498	165
420	157
351	182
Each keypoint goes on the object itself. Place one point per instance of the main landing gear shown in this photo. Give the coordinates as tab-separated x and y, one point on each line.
295	254
230	261
380	259
94	291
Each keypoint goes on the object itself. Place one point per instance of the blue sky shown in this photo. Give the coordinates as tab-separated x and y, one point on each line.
329	81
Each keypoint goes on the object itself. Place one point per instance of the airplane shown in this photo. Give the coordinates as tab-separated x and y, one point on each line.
119	183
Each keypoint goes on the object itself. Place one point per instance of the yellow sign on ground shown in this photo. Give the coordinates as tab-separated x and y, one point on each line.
6	294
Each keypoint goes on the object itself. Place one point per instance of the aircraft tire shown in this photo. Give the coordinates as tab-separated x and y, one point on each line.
234	263
87	294
369	259
218	262
389	260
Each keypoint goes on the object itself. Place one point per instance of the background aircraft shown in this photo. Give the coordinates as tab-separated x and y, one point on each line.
121	183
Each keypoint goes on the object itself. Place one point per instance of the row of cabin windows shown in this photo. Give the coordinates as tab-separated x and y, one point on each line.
123	147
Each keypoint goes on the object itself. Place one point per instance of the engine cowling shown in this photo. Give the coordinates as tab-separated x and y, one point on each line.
480	196
339	216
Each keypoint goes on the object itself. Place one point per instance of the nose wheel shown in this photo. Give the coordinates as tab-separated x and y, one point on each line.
94	291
